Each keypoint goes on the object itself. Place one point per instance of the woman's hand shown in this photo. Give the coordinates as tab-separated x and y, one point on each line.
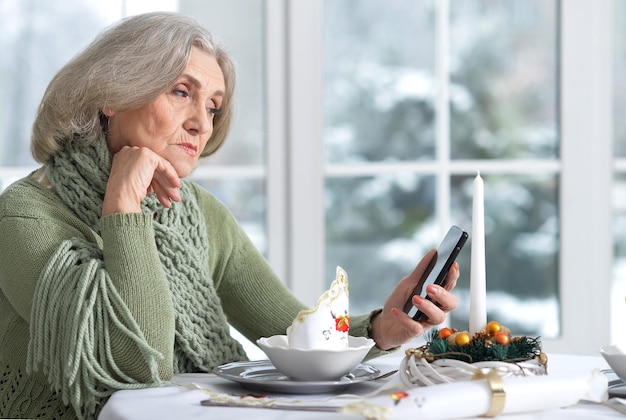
392	327
135	172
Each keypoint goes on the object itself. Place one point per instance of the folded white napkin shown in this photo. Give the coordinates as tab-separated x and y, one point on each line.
474	398
326	325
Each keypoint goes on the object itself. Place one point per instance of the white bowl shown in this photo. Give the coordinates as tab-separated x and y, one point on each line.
314	364
616	358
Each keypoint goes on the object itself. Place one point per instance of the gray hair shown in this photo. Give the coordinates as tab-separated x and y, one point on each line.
125	67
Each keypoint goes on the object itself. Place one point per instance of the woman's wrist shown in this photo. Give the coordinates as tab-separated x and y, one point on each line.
375	331
120	206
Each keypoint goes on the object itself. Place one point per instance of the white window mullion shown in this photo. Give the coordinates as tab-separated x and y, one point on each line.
306	167
586	152
276	149
442	54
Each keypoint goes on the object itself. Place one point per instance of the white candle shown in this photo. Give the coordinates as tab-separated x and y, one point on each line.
478	278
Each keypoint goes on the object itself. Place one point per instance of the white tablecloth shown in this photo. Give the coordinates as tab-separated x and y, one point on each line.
177	402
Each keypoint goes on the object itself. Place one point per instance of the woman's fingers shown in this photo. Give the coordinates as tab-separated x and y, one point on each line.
137	171
453	275
435	308
412	328
165	183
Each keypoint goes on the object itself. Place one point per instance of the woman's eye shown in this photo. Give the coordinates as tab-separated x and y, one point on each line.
181	93
213	111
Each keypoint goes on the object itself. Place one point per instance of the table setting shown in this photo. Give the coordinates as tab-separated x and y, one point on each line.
183	397
334	381
317	370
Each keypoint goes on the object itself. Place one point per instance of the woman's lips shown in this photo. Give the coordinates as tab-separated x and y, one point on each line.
189	148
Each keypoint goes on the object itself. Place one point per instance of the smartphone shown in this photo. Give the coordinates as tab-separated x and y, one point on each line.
437	269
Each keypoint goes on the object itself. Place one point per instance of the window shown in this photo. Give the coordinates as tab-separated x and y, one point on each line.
359	130
34	49
393	173
525	99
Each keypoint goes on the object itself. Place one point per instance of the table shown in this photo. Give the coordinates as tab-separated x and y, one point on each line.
180	402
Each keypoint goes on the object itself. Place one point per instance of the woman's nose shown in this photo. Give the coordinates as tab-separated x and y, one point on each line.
199	120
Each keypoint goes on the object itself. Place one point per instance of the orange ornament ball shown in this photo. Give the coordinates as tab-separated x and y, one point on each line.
493	327
462	339
445	332
502	338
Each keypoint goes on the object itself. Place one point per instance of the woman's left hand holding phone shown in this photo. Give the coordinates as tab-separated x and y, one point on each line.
392	327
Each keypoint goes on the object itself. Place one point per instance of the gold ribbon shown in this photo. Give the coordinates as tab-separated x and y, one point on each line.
498	396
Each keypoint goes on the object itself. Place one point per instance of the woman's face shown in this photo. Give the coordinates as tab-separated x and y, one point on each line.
178	123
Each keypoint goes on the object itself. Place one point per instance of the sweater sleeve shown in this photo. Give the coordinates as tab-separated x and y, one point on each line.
255	301
98	307
132	262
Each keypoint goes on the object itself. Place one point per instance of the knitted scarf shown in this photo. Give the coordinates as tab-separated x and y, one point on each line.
75	288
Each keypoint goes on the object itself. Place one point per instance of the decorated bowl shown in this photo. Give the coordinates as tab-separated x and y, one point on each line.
314	364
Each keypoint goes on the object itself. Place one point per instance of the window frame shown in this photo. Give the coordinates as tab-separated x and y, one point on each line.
585	113
294	171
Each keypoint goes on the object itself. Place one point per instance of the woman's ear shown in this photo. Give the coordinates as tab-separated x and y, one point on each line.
108	112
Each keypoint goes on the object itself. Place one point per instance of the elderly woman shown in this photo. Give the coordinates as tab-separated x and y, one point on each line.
115	272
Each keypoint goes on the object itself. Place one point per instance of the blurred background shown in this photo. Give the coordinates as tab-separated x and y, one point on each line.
361	125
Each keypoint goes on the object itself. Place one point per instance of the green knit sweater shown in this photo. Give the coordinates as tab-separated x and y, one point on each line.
34	221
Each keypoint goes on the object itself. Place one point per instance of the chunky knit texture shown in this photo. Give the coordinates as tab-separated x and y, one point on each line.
121	314
79	176
78	363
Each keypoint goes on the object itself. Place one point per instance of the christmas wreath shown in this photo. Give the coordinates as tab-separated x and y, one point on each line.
450	355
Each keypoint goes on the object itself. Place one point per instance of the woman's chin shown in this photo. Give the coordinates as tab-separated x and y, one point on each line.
183	171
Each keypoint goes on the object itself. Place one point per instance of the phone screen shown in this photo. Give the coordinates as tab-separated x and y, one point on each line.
437	269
